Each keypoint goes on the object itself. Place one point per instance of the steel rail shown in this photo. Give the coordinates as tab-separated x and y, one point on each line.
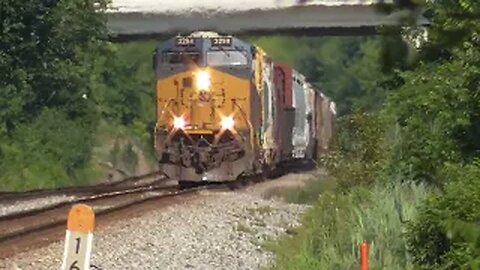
169	191
62	220
37	193
83	199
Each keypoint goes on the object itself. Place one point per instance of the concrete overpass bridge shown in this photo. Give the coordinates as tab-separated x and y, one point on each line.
139	19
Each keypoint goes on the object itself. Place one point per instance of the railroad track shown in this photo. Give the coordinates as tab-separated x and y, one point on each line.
16	205
75	190
25	219
33	228
17	228
42	219
81	198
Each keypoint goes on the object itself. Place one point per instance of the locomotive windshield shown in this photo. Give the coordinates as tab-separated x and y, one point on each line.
179	58
226	58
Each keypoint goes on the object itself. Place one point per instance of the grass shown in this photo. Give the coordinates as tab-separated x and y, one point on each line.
263	210
245	229
338	222
307	194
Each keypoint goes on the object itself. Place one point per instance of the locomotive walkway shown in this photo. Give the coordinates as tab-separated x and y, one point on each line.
131	19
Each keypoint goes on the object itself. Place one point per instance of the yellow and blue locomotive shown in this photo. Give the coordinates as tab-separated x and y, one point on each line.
207	108
225	110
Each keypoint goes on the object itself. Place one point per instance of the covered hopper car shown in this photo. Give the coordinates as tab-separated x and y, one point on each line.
225	110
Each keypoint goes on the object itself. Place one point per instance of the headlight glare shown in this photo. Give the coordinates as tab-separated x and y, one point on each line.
179	122
228	122
203	80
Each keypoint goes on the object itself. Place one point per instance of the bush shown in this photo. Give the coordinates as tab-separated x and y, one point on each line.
334	228
359	150
50	152
446	234
438	116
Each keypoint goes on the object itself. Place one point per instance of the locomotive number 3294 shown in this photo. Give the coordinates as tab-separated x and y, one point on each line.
185	41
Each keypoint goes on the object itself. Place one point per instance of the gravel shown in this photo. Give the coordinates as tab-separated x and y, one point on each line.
214	230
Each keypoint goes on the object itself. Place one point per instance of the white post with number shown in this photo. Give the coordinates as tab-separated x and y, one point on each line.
79	238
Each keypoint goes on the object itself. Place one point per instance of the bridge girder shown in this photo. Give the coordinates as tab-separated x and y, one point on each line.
296	20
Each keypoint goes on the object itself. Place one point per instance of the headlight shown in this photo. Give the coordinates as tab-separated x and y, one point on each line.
179	122
228	122
203	80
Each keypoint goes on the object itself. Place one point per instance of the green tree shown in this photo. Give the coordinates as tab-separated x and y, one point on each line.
128	90
47	51
48	66
438	104
437	110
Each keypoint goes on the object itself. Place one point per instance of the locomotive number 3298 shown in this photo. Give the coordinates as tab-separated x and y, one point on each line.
221	41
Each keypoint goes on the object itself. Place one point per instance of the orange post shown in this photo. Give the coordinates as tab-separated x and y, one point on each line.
364	256
81	218
79	238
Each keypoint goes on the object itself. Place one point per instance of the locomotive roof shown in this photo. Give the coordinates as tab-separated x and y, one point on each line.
200	40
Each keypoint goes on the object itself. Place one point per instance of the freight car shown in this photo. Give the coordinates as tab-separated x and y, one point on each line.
226	110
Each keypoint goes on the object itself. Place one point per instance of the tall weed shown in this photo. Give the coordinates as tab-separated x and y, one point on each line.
334	228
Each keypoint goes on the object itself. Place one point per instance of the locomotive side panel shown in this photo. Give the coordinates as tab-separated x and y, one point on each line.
256	120
268	95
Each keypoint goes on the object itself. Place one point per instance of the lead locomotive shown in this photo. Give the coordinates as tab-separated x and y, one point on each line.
225	110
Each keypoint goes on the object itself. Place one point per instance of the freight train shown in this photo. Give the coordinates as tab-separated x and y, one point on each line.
226	110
